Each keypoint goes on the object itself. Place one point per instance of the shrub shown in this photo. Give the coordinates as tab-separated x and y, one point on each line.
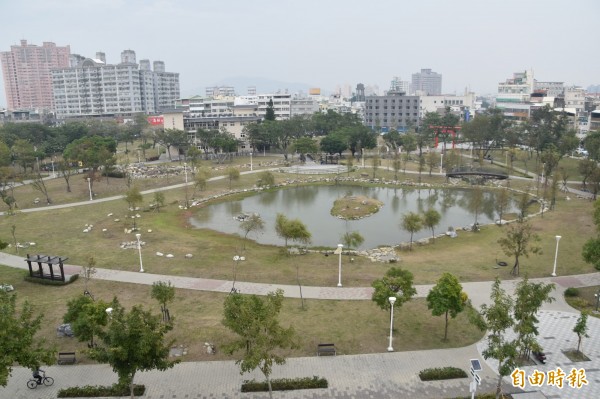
442	373
571	291
285	384
114	173
95	391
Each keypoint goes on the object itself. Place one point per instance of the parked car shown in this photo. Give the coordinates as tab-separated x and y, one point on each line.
539	356
581	151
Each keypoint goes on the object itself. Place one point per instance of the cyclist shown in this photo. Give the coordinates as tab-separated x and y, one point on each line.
37	375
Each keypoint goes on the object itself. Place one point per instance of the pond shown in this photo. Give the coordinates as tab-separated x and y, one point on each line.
312	206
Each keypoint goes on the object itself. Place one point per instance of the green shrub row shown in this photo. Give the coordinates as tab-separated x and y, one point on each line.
285	384
442	373
44	281
114	173
95	391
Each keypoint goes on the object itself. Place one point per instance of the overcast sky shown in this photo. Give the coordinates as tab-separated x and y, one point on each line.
324	43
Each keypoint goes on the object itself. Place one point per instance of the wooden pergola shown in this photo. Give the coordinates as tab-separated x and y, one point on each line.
52	273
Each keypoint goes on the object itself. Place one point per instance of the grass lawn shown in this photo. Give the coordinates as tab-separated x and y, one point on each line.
198	318
470	256
585	300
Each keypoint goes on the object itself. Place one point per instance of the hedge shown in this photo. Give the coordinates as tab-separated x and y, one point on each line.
44	281
95	391
285	384
442	373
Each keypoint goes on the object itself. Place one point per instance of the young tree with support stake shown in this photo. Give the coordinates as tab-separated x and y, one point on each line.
164	293
255	320
447	298
519	241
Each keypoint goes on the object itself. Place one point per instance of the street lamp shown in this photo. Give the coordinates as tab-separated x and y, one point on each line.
185	171
555	256
597	295
236	259
441	161
53	174
90	187
138	236
251	161
338	251
392	300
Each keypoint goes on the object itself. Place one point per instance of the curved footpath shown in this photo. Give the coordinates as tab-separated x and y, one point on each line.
377	376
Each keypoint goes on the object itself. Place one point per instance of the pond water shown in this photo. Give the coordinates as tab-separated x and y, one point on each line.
312	206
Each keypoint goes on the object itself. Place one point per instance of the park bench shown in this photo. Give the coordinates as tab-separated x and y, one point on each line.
326	349
66	358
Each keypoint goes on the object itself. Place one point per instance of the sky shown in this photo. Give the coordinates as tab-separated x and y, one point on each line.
324	43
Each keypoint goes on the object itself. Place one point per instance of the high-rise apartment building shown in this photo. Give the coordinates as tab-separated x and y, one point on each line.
426	83
27	77
94	88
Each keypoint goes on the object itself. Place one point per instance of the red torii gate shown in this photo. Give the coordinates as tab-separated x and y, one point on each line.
445	130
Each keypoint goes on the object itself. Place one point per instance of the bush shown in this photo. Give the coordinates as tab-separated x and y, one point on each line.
95	391
442	373
571	291
285	384
114	173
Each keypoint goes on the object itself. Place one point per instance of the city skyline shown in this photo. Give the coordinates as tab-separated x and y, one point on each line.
473	45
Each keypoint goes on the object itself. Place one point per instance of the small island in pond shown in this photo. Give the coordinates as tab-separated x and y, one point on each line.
355	207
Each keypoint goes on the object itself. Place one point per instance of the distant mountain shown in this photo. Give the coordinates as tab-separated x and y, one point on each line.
263	85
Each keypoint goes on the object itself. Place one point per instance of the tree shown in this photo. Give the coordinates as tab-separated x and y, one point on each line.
170	138
270	111
396	164
334	143
86	317
93	152
87	272
502	200
233	173
412	223
497	318
18	341
159	200
293	230
446	298
252	223
475	204
133	341
396	283
66	169
432	161
255	320
265	179
39	185
133	197
352	239
431	218
529	299
305	145
163	293
375	163
591	249
581	329
201	179
519	241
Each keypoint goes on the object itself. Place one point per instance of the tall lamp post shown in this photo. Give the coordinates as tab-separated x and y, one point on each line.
90	187
597	295
138	236
555	256
251	162
392	300
441	161
185	171
236	259
338	251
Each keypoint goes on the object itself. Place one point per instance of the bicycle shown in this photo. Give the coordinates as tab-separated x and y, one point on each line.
47	381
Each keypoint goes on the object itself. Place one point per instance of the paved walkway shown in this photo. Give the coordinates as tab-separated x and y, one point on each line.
377	376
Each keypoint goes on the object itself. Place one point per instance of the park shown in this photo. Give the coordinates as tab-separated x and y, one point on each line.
147	224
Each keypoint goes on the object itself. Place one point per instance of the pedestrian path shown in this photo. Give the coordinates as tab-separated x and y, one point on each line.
377	376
